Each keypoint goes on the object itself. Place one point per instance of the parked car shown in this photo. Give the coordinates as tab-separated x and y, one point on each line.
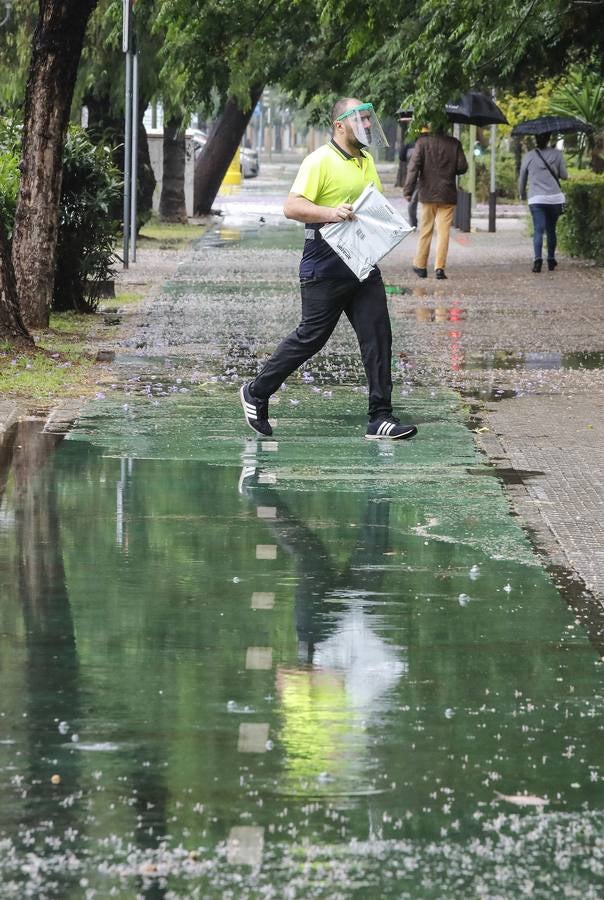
198	138
249	164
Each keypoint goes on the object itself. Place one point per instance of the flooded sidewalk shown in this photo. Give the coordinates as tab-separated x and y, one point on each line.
310	666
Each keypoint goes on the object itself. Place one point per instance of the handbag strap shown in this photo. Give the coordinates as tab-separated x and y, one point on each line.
549	168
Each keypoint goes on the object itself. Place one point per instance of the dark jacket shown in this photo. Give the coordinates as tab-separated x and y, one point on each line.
436	161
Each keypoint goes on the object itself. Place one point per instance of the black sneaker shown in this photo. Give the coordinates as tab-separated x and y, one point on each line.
255	411
537	266
389	429
551	264
440	274
421	273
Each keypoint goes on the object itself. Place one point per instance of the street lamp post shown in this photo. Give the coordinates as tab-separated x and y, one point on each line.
493	179
130	133
472	164
134	157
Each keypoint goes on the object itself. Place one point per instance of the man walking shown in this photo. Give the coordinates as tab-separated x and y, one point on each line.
436	161
327	184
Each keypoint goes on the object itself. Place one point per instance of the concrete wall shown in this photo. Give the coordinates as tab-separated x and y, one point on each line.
155	138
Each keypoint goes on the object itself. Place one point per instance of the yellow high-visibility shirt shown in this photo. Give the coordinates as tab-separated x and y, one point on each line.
330	176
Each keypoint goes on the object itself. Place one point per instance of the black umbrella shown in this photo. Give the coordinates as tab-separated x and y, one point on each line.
471	109
474	108
553	125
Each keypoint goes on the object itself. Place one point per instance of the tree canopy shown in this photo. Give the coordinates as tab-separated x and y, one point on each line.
425	53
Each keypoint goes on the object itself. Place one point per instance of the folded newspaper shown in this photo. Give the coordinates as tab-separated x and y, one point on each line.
377	229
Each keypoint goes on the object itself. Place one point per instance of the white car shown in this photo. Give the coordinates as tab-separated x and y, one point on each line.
249	165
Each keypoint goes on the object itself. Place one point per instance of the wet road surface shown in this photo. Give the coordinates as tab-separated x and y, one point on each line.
306	667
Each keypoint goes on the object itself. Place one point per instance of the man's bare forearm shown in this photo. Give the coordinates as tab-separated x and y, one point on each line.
303	210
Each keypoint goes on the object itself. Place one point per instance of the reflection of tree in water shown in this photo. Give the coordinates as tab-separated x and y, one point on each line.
345	666
28	485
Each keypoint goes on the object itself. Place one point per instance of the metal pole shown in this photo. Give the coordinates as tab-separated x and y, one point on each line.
134	160
492	187
127	155
269	126
472	162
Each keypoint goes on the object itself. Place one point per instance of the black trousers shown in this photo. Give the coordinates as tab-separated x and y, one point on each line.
323	302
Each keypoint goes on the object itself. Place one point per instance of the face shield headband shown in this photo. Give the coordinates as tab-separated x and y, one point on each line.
365	125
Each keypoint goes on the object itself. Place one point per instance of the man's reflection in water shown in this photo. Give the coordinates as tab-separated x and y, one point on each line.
346	668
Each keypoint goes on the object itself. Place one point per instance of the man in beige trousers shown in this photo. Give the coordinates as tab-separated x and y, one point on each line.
437	160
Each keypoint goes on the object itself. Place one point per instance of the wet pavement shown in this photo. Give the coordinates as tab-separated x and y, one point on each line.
312	666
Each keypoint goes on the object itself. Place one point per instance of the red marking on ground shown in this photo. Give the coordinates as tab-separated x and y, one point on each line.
461	239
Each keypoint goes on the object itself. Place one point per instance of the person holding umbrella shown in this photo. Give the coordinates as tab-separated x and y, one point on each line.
543	168
547	158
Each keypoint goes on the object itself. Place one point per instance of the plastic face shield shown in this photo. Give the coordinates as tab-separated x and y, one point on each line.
365	125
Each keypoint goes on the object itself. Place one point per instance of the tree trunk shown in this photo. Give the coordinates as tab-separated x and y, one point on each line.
52	678
12	327
56	49
172	205
145	183
218	152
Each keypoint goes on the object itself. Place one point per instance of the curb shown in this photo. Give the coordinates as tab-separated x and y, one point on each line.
63	416
10	413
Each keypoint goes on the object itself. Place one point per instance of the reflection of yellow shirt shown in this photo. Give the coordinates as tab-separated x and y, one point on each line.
320	732
330	176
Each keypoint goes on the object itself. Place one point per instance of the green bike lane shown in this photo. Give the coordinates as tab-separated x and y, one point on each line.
306	667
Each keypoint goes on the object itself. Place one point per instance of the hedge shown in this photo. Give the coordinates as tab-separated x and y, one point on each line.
581	228
505	178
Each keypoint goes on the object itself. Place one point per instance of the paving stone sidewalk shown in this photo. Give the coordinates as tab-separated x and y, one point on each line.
556	444
535	345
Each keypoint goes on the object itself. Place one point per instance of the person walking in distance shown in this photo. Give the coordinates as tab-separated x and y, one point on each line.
543	168
328	182
437	160
406	153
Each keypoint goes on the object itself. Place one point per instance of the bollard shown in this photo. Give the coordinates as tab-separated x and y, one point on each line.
492	211
233	173
463	210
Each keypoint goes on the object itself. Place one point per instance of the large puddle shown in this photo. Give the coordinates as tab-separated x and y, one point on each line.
309	667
